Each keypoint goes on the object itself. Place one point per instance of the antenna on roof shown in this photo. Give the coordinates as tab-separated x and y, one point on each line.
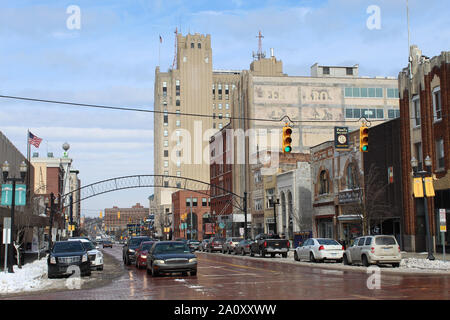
260	55
175	54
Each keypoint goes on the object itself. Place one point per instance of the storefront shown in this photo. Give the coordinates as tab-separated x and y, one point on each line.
325	227
350	226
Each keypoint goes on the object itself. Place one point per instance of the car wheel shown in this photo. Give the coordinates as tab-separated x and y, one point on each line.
396	265
365	261
154	272
284	255
262	253
311	257
229	251
345	260
251	253
193	273
296	256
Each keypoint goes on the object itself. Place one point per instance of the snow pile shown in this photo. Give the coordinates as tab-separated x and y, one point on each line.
425	264
32	277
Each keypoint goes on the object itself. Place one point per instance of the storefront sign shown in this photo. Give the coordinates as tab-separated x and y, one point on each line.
341	138
349	196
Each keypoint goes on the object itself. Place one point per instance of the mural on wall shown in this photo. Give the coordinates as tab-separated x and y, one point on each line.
268	94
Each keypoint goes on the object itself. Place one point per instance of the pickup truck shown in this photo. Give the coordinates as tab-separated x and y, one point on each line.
269	244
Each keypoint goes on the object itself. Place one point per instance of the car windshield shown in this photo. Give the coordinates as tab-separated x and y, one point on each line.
137	241
68	246
385	241
329	242
236	239
172	248
88	245
147	246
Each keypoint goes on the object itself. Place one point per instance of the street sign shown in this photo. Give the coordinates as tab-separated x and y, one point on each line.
341	138
6	230
443	220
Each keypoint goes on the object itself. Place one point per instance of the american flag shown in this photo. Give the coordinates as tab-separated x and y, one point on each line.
34	140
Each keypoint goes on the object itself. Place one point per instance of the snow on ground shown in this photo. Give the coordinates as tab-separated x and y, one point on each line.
32	277
424	264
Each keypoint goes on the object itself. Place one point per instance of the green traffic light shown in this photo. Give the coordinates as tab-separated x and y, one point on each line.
365	148
287	149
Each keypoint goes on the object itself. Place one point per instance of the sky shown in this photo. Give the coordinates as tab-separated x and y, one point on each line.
111	59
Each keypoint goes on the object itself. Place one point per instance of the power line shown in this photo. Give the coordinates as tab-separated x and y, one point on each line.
180	113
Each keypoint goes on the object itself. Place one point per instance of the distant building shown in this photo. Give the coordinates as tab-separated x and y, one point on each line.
425	131
134	215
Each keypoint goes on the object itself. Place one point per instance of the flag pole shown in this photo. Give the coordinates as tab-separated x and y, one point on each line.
28	164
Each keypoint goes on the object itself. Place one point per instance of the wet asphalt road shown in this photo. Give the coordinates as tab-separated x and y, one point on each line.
228	277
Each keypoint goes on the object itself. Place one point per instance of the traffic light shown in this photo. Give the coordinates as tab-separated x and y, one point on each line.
118	215
364	139
287	140
100	214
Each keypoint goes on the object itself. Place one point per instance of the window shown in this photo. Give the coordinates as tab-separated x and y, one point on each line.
220	126
392	93
166	173
177	102
199	45
418	154
220	115
166	143
227	115
220	106
258	204
164	89
166	153
349	71
178	173
440	154
194	202
166	133
357	113
380	113
364	113
361	242
227	106
166	184
364	93
368	241
437	106
372	113
356	93
323	183
204	202
178	113
348	92
178	163
166	118
178	185
178	123
326	70
178	153
214	91
349	113
177	88
192	45
188	202
166	163
269	196
219	88
416	104
214	125
379	92
351	177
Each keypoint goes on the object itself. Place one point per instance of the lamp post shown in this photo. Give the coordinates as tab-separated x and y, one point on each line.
23	172
53	203
422	174
273	203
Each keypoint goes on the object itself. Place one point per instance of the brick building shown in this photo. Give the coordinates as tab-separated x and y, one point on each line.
198	220
131	215
425	131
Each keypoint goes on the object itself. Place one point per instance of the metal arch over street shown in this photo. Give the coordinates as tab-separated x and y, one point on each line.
147	181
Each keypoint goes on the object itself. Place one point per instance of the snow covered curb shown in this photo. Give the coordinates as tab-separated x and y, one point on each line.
33	277
424	264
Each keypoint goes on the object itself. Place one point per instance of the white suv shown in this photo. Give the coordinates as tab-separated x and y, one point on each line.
377	249
94	255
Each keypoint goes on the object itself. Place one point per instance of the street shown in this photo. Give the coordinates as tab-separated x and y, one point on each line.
229	277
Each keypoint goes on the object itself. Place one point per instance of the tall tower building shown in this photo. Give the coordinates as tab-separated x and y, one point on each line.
181	143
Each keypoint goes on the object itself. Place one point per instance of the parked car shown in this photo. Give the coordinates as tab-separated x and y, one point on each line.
170	257
215	244
269	243
204	244
379	249
141	253
65	257
193	244
229	244
243	247
107	244
319	250
94	255
130	247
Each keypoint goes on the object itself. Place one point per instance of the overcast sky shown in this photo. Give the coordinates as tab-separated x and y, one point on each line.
111	60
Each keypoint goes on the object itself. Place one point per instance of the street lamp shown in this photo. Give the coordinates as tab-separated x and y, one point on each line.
23	172
273	203
53	203
422	174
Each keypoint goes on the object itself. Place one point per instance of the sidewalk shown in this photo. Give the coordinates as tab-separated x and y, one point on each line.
424	255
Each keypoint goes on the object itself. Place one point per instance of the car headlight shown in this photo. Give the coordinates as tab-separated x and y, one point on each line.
192	260
131	250
99	254
159	262
144	257
84	258
52	260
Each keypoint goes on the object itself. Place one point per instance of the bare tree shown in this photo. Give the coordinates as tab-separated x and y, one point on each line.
23	223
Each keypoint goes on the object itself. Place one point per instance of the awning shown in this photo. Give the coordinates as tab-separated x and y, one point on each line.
350	217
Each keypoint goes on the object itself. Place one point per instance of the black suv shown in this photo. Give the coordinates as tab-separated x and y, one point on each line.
130	247
65	257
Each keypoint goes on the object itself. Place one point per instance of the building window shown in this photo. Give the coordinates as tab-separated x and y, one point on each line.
323	183
178	173
219	89
416	103
351	177
178	153
177	102
220	115
214	125
166	143
166	164
227	115
326	70
220	126
178	163
166	173
166	118
199	45
269	196
349	71
178	123
227	106
349	113
437	106
204	202
192	45
214	91
393	114
392	93
166	133
220	106
178	113
188	202
194	202
440	155
166	153
179	185
166	184
380	113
